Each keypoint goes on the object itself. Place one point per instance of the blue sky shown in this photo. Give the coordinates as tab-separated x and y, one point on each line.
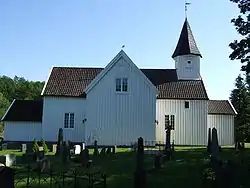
36	35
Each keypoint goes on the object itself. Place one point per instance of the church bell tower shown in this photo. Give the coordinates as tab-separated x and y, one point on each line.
187	55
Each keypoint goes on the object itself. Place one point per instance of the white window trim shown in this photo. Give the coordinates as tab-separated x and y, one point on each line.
68	121
122	92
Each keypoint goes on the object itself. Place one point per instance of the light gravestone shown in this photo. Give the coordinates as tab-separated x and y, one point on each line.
77	149
54	147
24	148
10	160
83	146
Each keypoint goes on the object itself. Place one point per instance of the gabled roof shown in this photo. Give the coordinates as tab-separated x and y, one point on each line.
186	44
120	56
220	107
24	110
72	81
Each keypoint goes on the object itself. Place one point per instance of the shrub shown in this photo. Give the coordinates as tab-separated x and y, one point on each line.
35	147
45	147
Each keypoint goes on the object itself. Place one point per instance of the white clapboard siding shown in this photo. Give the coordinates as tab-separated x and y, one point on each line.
120	118
190	124
54	109
225	128
22	131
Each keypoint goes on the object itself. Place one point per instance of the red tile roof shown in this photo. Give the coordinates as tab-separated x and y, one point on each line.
222	107
71	82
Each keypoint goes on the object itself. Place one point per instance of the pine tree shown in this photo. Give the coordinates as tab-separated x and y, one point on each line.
241	101
44	145
35	147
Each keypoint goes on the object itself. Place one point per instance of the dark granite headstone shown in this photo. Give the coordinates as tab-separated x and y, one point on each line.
108	150
215	145
96	152
157	161
6	177
113	149
140	173
85	157
103	150
209	141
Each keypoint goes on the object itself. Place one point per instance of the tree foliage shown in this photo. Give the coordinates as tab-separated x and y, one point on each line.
241	48
35	147
17	88
44	145
240	98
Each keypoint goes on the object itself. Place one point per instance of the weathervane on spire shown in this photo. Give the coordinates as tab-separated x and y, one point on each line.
186	4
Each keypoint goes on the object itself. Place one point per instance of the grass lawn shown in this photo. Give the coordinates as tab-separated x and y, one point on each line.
184	170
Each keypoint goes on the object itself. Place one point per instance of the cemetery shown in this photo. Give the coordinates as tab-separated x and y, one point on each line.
67	165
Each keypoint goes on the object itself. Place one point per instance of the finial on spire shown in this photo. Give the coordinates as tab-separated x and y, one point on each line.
123	46
186	4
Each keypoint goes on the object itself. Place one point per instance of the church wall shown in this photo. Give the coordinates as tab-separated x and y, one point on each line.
190	123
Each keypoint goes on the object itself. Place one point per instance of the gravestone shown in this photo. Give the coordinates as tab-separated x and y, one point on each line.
83	146
77	149
65	153
10	160
6	177
40	155
209	141
3	159
140	174
172	146
103	150
157	161
45	165
108	150
24	148
68	149
113	149
215	150
96	152
59	142
54	147
4	146
85	158
40	148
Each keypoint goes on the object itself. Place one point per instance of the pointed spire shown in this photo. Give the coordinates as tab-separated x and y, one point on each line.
186	44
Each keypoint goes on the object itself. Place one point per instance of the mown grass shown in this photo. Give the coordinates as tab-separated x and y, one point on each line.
184	170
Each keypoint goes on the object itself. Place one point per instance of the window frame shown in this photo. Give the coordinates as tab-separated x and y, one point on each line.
71	118
186	104
121	85
169	121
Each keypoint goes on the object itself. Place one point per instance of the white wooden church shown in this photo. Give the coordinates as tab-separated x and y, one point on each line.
121	102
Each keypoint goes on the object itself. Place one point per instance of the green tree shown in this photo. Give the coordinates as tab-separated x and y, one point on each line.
4	104
241	101
35	147
44	145
241	48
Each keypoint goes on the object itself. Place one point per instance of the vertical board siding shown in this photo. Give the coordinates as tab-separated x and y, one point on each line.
225	128
22	131
120	118
190	124
54	109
